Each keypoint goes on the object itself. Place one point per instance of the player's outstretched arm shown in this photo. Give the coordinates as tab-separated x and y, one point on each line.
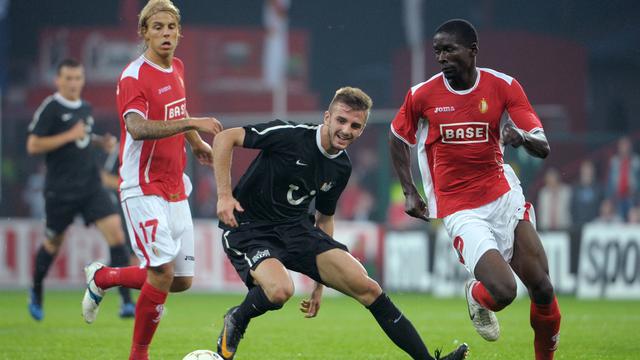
401	158
143	129
44	144
535	143
223	145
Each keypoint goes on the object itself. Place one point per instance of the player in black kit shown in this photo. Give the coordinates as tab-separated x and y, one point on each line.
62	129
267	228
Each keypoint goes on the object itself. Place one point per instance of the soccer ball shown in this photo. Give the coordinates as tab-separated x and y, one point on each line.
202	355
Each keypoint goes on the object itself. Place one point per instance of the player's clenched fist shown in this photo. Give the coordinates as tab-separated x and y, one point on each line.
78	131
512	136
209	125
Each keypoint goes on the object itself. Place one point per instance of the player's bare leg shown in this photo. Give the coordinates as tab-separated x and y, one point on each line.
341	271
273	288
493	289
111	228
530	264
42	262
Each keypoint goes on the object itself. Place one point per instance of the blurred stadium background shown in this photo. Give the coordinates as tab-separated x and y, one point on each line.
579	62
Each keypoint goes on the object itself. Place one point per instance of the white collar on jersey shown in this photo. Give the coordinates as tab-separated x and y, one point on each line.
156	66
71	104
319	143
466	91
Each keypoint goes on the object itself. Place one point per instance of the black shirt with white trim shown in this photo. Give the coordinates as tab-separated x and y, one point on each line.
72	171
291	170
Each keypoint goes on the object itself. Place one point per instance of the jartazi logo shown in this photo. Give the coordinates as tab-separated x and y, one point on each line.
441	109
465	132
260	254
164	89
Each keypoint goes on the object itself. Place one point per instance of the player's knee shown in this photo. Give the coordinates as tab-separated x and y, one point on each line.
504	294
180	284
162	275
367	291
542	292
280	294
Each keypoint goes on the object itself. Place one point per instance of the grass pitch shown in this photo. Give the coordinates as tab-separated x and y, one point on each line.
343	329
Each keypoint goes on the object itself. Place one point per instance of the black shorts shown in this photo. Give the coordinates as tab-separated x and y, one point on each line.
295	244
61	212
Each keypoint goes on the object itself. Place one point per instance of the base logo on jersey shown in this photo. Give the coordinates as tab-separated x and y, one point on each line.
483	106
176	110
465	133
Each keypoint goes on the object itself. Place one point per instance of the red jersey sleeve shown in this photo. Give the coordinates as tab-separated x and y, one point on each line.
131	97
519	108
405	124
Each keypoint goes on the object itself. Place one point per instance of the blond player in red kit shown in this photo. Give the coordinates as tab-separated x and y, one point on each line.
154	124
461	119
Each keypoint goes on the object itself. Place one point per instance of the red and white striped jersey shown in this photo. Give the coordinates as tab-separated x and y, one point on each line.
458	133
152	167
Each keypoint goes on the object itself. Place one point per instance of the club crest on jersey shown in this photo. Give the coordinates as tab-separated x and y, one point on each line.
327	186
483	106
441	109
465	133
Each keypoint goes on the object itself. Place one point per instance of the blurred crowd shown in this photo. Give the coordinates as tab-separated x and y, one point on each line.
610	196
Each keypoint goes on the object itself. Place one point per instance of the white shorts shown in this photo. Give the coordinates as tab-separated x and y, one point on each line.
161	232
491	226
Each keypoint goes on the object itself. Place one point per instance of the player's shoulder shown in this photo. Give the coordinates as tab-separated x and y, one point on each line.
426	86
496	76
47	104
133	70
178	63
279	126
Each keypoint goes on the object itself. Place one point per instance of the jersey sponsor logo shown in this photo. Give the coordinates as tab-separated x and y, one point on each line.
465	132
175	110
260	254
189	258
66	117
292	200
483	106
164	89
300	163
327	186
441	109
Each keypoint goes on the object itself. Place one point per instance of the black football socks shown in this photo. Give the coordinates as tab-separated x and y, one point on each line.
255	304
41	268
398	328
120	258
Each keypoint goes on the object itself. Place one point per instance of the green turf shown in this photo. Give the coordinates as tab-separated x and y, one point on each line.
343	330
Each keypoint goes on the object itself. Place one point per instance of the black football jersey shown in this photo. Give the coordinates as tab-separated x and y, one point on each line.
291	170
72	171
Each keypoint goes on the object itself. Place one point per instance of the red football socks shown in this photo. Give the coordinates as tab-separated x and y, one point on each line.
149	310
545	321
482	296
131	277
